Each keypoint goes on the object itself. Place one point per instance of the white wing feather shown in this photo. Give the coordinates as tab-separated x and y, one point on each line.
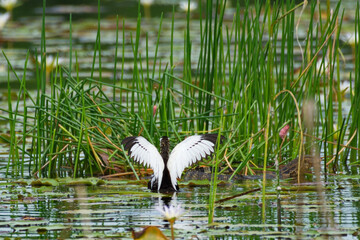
187	152
146	154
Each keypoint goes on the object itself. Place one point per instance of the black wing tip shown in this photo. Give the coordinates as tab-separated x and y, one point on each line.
128	142
212	137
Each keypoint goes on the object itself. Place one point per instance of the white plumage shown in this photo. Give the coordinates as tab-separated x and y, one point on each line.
187	152
145	153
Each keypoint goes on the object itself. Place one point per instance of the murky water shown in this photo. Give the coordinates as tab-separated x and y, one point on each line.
117	207
23	33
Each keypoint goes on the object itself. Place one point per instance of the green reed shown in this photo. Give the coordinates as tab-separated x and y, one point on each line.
243	65
355	98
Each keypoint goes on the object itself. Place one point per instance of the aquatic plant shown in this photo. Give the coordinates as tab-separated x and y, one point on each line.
171	214
148	233
9	5
246	82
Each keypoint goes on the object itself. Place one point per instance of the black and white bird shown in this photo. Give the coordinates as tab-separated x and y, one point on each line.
168	167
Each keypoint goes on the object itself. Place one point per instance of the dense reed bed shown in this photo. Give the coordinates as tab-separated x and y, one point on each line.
247	85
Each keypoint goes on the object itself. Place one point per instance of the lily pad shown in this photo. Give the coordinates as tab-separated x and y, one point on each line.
42	229
23	223
44	182
194	183
82	181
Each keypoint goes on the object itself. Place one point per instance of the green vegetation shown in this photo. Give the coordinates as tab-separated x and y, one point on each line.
245	86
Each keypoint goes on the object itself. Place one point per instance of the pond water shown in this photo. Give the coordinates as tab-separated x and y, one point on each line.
110	209
113	209
23	33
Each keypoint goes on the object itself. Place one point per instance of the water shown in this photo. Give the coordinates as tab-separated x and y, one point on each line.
113	209
23	33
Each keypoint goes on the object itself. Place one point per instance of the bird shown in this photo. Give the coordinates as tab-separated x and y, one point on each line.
168	167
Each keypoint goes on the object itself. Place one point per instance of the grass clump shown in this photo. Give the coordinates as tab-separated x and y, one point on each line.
247	84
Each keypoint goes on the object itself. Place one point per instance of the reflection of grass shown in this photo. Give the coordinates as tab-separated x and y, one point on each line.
242	68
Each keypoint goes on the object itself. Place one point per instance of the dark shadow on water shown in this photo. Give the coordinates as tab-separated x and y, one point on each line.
166	200
278	209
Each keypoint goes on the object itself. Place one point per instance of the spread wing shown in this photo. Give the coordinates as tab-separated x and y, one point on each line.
189	151
143	152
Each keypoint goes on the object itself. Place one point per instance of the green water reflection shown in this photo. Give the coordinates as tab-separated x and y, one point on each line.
113	209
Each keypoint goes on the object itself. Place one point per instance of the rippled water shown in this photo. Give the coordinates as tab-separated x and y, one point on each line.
113	209
116	207
23	33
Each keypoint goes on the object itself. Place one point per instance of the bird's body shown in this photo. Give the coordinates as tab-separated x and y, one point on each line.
167	166
165	182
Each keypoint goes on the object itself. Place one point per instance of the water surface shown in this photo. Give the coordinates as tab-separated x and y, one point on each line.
117	207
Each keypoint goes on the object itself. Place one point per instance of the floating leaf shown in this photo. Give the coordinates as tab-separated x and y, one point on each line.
23	223
82	181
44	182
194	183
149	233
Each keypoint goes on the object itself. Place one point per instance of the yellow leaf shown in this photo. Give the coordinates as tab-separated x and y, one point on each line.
149	233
